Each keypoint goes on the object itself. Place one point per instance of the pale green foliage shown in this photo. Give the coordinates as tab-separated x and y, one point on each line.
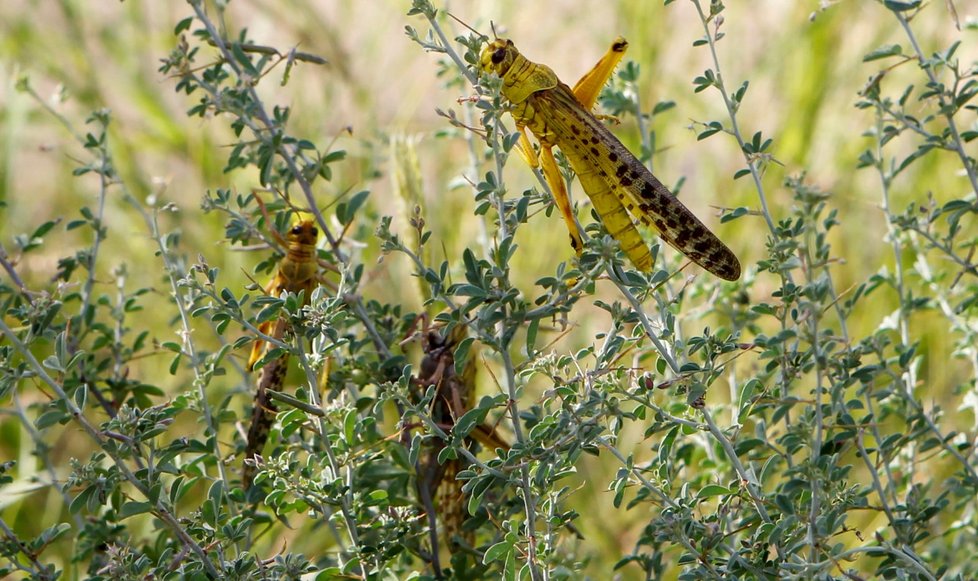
815	419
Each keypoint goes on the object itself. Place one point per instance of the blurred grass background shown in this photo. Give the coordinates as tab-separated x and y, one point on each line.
804	68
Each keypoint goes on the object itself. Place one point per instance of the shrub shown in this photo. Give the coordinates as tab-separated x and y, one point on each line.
460	397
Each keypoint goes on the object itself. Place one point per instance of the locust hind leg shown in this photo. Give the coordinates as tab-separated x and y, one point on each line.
259	346
561	198
274	328
589	87
262	416
551	174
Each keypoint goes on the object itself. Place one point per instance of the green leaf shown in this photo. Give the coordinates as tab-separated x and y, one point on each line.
328	574
133	508
174	365
347	211
498	551
746	398
52	533
216	492
531	336
350	427
81	500
415	450
713	490
461	354
470	420
447	453
376	497
49	418
901	5
81	396
475	498
884	51
171	346
44	228
183	25
469	290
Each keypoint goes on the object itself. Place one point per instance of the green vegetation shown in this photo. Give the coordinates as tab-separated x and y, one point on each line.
815	419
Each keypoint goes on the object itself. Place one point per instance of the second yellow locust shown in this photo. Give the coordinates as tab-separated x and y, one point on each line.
297	273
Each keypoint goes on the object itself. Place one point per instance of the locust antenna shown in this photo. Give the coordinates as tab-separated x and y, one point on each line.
284	196
474	31
348	129
339	197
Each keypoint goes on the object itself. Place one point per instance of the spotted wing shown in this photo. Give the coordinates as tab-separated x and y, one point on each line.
615	180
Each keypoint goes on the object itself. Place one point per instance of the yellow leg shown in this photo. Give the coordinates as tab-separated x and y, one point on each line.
554	180
259	346
258	349
589	87
275	329
559	191
525	148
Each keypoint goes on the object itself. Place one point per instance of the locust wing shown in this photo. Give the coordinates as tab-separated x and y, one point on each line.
616	181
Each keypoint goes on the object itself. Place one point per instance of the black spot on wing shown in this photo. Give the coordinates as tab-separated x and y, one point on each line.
682	237
647	190
657	207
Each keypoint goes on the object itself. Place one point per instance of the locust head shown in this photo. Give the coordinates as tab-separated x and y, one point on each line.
303	233
498	56
521	78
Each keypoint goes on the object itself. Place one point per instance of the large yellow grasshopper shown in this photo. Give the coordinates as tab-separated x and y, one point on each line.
615	180
298	272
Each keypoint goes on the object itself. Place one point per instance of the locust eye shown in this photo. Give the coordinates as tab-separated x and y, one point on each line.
498	56
296	230
314	231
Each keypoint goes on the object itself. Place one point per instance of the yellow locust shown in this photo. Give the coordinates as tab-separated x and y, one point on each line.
615	180
297	272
